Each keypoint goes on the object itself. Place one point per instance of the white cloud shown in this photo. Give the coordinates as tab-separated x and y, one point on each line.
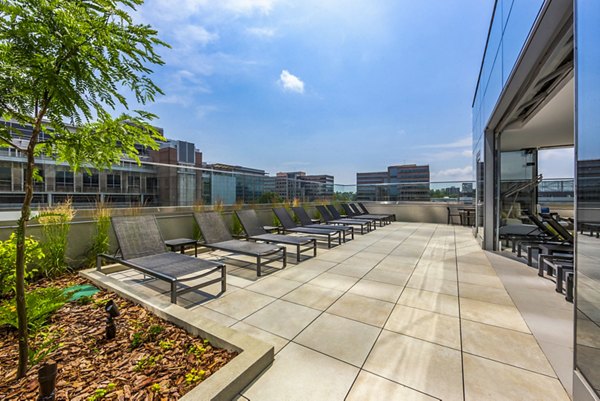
290	82
248	6
453	174
194	35
261	32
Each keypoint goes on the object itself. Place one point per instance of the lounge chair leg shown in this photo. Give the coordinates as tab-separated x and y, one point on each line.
285	257
339	238
223	279
298	253
352	232
314	247
258	272
329	241
173	292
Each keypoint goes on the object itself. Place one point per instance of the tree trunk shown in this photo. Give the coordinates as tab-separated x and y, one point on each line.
20	268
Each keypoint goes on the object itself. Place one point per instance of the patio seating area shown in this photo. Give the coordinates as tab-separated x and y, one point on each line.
411	311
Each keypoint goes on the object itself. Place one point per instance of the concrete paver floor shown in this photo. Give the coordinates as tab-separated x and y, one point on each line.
411	311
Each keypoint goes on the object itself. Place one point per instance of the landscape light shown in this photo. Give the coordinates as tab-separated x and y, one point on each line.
112	311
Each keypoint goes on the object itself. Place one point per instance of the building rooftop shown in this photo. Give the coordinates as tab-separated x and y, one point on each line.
411	311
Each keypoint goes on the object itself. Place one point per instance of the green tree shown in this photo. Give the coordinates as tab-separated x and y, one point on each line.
68	61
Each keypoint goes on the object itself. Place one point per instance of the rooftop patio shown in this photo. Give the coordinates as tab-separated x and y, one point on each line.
411	311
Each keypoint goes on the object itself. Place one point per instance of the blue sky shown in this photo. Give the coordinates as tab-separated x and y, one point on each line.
327	87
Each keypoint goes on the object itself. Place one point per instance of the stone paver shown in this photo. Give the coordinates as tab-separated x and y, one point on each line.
411	311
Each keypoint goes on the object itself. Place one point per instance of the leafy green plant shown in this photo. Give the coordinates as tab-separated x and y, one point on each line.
101	239
154	331
76	61
136	340
196	350
102	392
41	303
194	376
56	224
166	344
147	362
8	253
47	342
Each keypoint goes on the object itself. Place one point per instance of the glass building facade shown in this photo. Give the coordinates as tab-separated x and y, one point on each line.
551	47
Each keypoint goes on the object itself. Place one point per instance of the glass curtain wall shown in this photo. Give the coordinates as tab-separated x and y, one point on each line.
587	334
512	21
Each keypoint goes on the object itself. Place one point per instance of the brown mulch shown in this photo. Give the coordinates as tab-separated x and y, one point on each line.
89	365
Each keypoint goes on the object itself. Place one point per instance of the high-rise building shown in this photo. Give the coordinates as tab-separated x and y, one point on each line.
408	182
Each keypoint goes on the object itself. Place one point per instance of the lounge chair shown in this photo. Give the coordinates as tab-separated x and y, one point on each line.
142	248
255	231
328	218
306	221
363	208
336	215
217	236
355	213
289	226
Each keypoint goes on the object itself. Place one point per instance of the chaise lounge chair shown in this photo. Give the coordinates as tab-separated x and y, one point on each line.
334	212
256	232
217	236
289	226
306	221
363	208
142	248
354	213
328	218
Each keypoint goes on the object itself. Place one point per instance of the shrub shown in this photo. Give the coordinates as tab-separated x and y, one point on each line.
41	303
101	239
55	223
8	255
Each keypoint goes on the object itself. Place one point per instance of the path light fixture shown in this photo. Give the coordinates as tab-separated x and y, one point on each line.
112	312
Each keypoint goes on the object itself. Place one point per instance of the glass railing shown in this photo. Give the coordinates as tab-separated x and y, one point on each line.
161	185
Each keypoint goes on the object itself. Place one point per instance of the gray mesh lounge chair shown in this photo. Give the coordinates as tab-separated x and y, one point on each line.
334	212
306	221
217	236
289	225
256	232
142	248
386	218
355	215
328	218
363	208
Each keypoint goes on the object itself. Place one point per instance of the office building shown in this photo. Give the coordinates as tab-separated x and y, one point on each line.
408	182
538	88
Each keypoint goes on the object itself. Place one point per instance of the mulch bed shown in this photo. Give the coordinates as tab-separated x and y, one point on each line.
150	359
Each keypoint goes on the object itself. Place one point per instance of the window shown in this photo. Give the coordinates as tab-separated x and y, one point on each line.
90	180
133	182
64	178
113	181
5	178
151	184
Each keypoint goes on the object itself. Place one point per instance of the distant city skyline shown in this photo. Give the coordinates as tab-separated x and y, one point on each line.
334	87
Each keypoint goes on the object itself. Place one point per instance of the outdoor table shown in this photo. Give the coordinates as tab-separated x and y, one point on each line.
466	216
182	243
